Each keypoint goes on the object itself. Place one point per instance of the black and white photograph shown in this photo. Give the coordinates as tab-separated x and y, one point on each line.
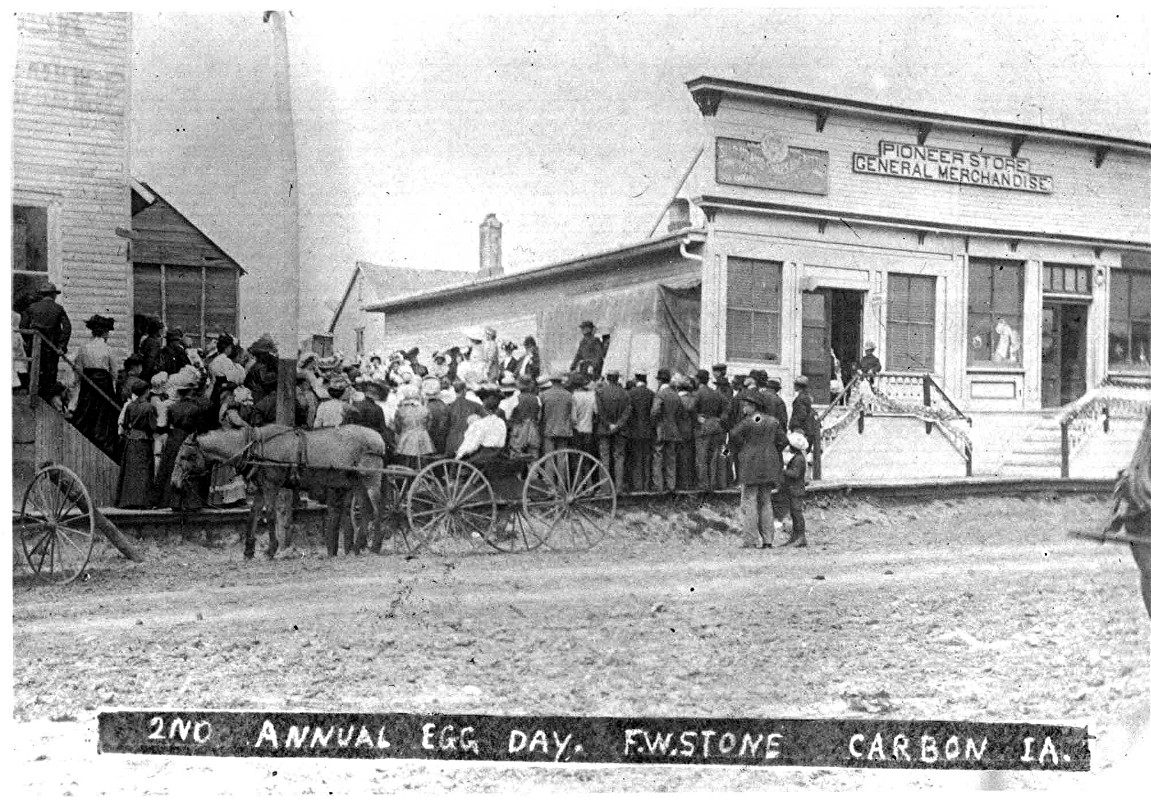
562	399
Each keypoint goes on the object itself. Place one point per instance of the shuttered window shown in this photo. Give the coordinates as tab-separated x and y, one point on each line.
29	251
202	301
910	323
753	302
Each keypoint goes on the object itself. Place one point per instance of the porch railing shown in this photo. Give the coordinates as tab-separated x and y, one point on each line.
1082	419
905	394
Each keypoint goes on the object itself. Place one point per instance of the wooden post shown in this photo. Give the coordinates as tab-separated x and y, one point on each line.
862	415
927	398
286	392
34	371
1065	447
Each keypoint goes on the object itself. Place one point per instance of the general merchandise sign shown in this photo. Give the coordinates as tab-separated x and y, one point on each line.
946	165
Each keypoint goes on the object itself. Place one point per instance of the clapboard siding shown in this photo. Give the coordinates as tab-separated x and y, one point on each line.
1112	201
164	236
70	128
57	441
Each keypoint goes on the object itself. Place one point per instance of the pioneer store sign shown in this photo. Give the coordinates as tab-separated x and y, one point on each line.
952	167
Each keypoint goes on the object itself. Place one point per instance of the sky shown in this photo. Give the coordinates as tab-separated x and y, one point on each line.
573	128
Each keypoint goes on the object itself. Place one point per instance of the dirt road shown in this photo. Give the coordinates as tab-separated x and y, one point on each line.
662	619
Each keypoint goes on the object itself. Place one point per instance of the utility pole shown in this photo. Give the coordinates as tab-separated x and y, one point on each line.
284	295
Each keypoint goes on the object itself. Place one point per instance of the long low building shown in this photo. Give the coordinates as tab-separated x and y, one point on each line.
1010	262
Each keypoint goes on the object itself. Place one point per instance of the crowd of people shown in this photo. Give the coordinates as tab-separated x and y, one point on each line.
481	400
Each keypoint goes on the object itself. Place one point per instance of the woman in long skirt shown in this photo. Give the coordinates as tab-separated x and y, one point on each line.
93	414
185	417
135	489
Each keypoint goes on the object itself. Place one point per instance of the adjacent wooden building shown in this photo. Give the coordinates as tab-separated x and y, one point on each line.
179	274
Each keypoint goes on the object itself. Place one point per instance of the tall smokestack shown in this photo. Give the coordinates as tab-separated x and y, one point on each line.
491	247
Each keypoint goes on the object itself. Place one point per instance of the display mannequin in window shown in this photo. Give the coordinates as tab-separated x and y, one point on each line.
1006	343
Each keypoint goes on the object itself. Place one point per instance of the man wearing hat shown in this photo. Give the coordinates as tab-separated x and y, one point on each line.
722	385
758	443
776	406
640	433
556	415
869	365
173	355
264	374
613	412
666	409
710	410
802	415
590	352
49	318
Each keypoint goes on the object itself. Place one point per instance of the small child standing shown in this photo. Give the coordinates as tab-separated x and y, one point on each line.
795	486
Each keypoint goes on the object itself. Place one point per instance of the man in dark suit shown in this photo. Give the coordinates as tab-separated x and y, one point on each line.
589	353
640	432
666	409
613	410
758	442
49	318
776	406
802	415
459	411
722	385
174	356
710	410
556	415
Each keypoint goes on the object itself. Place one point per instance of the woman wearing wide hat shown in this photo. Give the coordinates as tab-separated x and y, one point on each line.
94	414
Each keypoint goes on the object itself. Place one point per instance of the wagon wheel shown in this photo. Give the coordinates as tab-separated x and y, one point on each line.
451	507
568	500
57	527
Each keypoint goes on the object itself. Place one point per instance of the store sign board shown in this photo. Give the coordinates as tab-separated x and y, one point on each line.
770	164
946	165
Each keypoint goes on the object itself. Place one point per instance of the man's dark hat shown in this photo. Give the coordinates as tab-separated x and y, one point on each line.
702	376
578	380
641	377
137	385
719	368
610	373
587	324
756	399
663	374
49	289
176	333
413	353
773	383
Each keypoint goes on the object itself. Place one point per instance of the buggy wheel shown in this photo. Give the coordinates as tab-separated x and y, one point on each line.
56	527
451	508
568	500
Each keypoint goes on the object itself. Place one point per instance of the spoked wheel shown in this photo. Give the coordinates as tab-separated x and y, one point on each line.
56	527
451	508
568	500
513	533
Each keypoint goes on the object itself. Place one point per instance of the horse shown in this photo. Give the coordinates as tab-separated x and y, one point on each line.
1132	509
333	460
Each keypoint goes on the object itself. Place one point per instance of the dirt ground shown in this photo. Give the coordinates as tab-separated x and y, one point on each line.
662	619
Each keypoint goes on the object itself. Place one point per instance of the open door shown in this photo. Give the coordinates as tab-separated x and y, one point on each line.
832	323
1064	359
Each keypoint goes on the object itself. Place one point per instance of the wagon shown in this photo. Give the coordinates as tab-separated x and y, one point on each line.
565	500
56	520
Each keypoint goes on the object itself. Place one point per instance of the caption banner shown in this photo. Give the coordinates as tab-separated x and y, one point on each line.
640	741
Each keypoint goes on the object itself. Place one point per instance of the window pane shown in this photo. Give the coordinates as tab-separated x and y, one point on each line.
1120	292
1008	298
911	322
1141	344
1083	281
979	284
753	296
1118	344
753	284
29	239
1141	296
979	337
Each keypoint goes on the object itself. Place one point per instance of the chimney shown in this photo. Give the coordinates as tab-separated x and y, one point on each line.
678	215
491	250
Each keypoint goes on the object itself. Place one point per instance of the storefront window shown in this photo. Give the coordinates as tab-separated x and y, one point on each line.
994	311
1129	335
753	298
910	323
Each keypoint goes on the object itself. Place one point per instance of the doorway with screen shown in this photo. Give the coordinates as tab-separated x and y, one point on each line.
832	324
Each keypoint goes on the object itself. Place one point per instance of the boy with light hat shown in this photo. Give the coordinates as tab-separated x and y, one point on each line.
794	487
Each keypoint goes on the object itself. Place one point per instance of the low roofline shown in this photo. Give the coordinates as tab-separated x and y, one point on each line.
948	229
825	103
152	195
553	270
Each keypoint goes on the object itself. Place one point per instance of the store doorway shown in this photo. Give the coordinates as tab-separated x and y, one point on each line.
1064	364
832	324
